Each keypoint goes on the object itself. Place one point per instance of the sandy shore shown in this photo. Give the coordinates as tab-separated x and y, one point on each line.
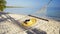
51	27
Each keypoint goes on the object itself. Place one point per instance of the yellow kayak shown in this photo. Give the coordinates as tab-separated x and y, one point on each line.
29	22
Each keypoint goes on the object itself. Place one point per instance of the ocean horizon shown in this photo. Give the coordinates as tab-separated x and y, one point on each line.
28	11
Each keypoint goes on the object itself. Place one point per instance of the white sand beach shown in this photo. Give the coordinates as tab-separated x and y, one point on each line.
8	27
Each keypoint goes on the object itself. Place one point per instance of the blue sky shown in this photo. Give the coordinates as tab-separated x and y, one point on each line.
52	10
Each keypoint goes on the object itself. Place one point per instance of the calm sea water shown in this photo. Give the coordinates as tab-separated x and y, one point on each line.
53	13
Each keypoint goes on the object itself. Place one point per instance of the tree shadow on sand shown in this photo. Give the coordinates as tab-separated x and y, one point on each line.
7	17
3	18
10	18
37	31
18	23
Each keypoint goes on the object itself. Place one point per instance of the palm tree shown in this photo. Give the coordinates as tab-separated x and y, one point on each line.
2	5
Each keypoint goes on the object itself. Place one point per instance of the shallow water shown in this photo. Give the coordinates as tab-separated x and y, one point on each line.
26	11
